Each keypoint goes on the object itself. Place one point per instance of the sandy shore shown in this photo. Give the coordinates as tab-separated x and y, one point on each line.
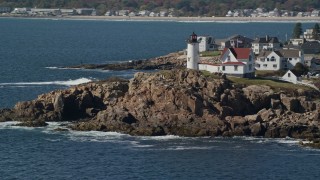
201	19
182	19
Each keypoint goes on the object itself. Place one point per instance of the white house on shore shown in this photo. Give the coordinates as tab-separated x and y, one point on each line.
265	43
206	43
279	59
238	62
234	61
292	76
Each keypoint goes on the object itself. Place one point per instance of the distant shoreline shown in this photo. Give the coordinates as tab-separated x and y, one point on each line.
201	19
178	19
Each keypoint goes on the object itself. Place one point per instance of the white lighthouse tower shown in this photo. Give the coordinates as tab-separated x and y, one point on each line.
193	52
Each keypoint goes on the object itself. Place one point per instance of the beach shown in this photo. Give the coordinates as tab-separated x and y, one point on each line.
200	19
176	19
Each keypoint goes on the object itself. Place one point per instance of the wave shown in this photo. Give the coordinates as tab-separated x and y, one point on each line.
213	21
161	138
63	83
81	69
181	148
8	124
97	136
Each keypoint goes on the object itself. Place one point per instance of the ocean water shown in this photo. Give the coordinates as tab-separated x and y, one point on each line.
32	54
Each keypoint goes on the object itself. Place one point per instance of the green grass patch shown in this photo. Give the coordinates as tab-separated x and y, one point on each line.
274	84
208	74
260	73
210	53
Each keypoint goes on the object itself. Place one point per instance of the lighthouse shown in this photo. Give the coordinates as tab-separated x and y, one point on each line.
193	52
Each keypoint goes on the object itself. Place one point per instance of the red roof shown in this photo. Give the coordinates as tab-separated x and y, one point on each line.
212	64
239	53
234	63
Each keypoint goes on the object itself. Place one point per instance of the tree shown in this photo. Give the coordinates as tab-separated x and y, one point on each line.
300	69
297	31
316	31
101	9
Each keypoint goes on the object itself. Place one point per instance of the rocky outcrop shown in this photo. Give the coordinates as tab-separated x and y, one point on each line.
179	102
167	62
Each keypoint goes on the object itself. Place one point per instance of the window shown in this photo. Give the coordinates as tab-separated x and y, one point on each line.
275	65
189	58
267	59
262	59
229	58
235	68
273	58
223	68
289	74
265	65
290	59
258	65
250	58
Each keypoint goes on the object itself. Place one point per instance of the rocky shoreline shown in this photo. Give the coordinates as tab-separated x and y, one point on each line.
174	102
170	61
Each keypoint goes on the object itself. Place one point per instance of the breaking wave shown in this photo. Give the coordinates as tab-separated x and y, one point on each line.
62	83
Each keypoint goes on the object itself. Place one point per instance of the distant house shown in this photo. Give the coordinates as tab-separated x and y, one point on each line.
274	13
86	11
5	9
236	41
278	59
311	47
291	57
110	13
45	12
292	76
309	35
164	13
144	13
312	63
297	41
153	14
68	12
206	43
265	43
132	14
21	11
315	13
123	13
238	62
229	14
269	60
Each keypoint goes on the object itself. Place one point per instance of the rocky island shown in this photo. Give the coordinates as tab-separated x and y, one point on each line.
175	101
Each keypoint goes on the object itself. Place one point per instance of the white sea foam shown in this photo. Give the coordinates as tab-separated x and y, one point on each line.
96	136
180	148
161	138
8	124
287	141
64	83
62	68
137	144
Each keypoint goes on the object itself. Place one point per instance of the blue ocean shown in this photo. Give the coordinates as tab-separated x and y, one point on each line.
33	54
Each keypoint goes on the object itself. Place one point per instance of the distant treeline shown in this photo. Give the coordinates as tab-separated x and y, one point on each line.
182	7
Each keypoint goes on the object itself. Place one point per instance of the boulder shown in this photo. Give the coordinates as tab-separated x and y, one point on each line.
257	129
